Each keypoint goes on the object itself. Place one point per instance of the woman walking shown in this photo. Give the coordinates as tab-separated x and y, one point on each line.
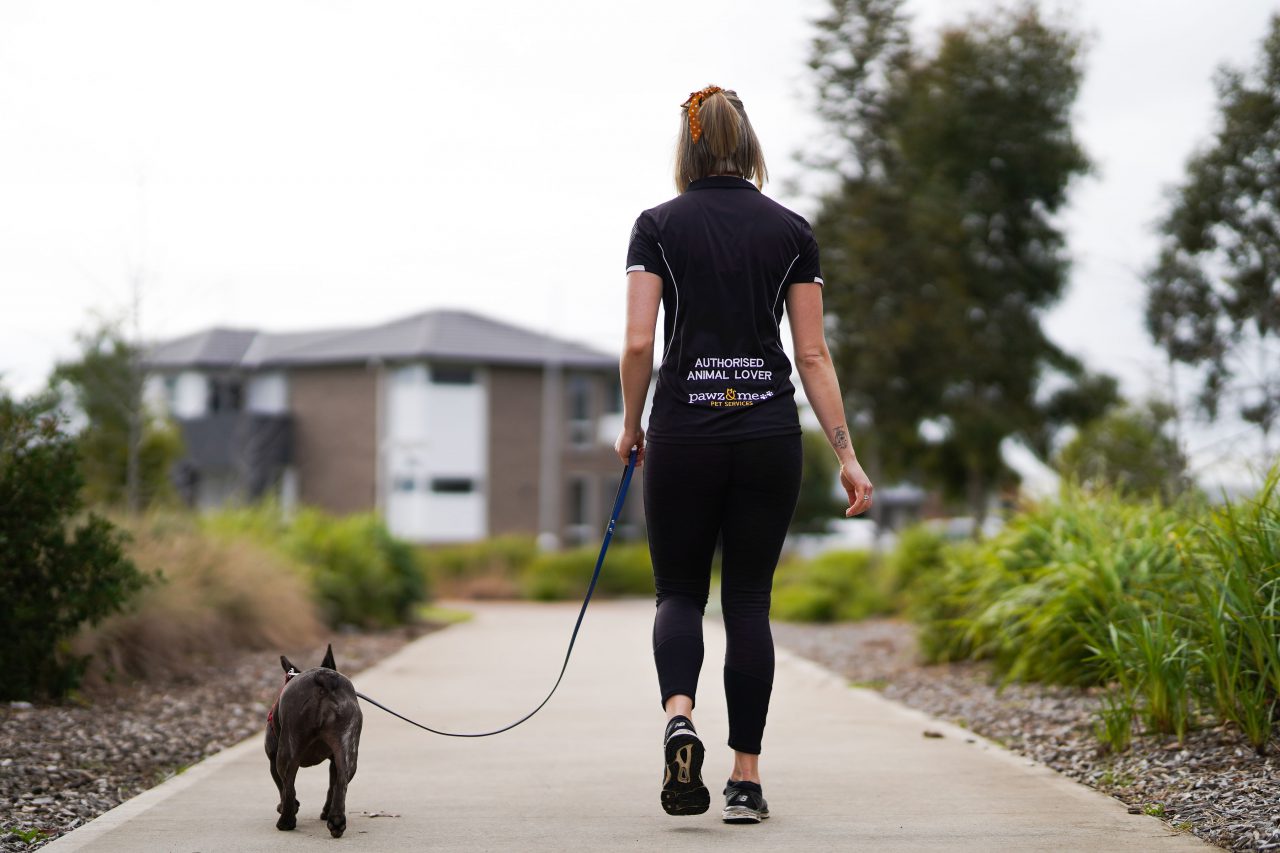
722	456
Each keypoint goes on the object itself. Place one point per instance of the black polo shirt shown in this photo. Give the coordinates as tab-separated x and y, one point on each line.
726	254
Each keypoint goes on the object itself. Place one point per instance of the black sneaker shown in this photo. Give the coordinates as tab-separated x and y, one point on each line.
744	803
682	790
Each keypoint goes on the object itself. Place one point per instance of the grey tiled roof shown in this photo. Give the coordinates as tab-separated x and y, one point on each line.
445	335
210	348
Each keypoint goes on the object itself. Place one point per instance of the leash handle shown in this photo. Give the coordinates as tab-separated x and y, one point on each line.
618	501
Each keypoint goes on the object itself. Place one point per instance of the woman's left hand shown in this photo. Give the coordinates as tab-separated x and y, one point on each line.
628	439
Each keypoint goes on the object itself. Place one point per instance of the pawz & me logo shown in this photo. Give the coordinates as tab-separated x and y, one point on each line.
728	397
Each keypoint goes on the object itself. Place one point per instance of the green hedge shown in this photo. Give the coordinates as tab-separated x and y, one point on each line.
491	568
838	585
560	575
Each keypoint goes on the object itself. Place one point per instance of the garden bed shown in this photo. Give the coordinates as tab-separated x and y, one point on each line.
1213	785
63	765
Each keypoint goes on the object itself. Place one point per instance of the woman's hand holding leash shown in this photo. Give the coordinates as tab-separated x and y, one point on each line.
628	439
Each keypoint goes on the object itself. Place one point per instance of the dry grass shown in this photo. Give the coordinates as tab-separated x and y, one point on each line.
216	595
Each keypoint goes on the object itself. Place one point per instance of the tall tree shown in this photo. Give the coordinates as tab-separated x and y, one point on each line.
1213	298
126	451
940	239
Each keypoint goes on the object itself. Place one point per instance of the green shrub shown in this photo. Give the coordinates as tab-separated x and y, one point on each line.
943	602
1030	597
361	574
562	575
798	603
1233	563
358	572
918	554
837	585
56	572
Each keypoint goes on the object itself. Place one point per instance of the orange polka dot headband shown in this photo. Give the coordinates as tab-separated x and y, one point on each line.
694	102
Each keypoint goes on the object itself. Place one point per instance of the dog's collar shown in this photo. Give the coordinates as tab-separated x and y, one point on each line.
271	712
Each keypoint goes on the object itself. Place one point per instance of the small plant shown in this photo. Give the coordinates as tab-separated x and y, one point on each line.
1111	779
1150	658
871	683
1153	809
1114	723
28	836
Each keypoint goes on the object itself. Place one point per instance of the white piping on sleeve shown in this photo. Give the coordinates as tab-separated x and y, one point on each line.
774	314
636	268
675	328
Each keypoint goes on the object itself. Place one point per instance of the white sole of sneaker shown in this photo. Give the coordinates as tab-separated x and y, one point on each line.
742	814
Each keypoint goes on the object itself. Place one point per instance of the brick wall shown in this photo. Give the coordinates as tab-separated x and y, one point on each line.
515	436
335	436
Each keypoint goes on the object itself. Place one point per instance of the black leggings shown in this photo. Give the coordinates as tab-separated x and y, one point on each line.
743	495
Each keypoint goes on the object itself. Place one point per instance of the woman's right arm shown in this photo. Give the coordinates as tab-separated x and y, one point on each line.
818	376
644	295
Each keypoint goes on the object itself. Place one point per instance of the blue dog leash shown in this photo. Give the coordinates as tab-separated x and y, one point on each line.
591	588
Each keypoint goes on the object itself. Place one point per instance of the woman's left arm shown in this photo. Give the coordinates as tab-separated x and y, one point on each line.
644	295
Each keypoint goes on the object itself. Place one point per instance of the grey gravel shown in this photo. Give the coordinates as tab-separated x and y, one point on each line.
63	765
1213	785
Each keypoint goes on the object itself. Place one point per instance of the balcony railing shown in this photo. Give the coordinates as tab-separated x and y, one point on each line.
254	447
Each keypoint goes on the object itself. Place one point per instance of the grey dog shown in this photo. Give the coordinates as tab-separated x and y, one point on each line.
316	716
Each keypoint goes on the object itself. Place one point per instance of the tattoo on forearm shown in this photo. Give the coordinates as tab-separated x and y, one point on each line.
840	438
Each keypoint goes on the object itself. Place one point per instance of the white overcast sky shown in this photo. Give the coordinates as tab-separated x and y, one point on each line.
290	165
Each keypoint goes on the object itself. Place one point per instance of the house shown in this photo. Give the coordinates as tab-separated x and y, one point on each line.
451	425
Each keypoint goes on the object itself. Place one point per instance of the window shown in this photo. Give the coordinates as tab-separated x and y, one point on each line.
453	485
578	519
579	399
578	501
446	374
170	393
613	399
225	395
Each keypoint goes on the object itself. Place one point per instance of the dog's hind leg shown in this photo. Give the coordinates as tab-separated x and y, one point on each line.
339	774
275	777
287	766
333	780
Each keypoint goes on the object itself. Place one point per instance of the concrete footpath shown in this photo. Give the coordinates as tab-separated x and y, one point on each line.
844	769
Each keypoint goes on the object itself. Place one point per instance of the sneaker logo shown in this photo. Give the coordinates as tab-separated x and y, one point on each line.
742	799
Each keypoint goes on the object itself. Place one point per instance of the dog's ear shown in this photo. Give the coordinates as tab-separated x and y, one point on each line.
288	666
328	663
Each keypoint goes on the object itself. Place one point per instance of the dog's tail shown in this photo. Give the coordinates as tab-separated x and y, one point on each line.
338	693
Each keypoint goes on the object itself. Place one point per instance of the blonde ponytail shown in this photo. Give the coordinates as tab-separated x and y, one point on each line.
721	127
